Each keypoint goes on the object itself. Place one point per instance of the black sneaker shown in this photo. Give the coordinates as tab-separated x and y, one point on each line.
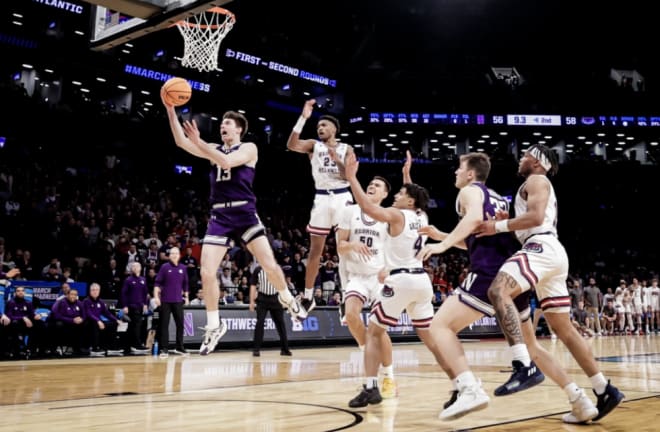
522	378
608	400
452	399
256	353
285	352
307	304
366	397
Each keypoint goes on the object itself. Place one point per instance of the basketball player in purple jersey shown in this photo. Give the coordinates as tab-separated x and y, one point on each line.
542	265
474	204
233	213
333	193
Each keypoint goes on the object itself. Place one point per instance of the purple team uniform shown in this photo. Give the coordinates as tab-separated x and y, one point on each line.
487	254
233	204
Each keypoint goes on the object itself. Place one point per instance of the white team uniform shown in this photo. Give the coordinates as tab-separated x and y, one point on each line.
637	301
655	299
332	192
542	263
361	274
408	287
647	298
618	302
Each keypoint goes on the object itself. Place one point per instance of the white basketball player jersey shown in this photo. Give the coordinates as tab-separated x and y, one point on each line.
549	220
647	295
324	169
401	251
368	231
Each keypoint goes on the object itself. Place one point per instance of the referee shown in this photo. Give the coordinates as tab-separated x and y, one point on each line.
265	295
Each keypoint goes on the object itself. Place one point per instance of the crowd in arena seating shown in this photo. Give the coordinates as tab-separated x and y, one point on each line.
80	216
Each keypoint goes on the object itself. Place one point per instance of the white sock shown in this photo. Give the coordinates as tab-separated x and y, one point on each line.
361	347
372	382
465	379
599	383
521	354
212	319
573	391
454	384
388	371
285	295
309	293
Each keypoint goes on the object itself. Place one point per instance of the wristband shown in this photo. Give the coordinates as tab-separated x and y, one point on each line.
299	124
502	226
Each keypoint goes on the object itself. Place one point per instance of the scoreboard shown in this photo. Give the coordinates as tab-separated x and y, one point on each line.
535	120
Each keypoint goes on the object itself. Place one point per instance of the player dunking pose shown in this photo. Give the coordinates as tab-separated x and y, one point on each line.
233	213
542	264
326	156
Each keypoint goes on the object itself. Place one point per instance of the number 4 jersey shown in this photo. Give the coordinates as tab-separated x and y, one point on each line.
401	251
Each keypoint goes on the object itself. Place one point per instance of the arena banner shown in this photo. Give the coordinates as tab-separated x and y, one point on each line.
322	324
46	292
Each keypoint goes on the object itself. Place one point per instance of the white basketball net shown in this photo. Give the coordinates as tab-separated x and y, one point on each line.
202	35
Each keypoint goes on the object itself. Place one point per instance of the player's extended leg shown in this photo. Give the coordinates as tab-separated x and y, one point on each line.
316	245
452	317
525	373
260	248
583	409
353	308
608	395
372	359
212	256
389	387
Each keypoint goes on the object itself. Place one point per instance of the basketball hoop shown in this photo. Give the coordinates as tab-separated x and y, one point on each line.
202	35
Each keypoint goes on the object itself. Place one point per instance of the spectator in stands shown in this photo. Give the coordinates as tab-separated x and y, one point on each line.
101	324
199	298
609	316
593	301
328	276
26	266
133	301
318	297
298	273
192	265
54	274
68	318
112	279
335	300
225	278
171	292
580	320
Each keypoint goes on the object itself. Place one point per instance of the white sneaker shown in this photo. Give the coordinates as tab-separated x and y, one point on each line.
295	308
583	410
472	398
211	338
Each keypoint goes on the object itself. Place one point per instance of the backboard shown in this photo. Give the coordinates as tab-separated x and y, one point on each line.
116	22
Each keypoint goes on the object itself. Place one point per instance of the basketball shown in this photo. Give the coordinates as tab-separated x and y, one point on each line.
177	91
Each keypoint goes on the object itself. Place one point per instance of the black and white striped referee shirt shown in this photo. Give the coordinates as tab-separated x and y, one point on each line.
262	283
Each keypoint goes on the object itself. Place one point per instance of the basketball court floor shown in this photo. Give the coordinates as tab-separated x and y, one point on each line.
233	391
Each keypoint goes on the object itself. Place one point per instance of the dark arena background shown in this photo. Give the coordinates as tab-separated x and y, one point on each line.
90	175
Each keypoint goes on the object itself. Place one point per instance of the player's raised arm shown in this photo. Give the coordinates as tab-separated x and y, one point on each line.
295	143
390	215
406	168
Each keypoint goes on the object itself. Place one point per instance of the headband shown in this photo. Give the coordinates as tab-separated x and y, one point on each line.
543	159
